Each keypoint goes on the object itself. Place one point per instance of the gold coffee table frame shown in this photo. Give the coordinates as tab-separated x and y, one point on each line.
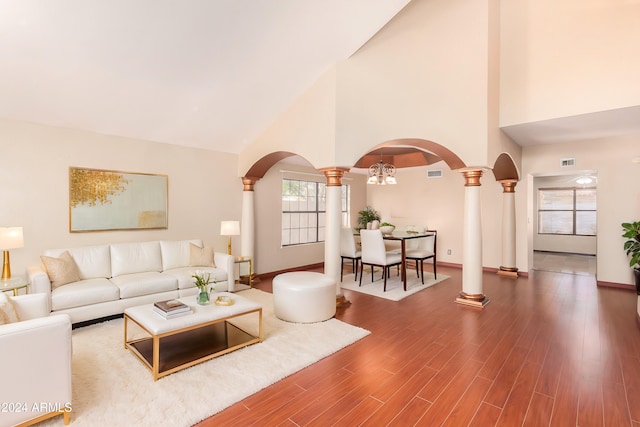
173	350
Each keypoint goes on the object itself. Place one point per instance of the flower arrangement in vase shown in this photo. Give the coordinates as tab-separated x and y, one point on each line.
202	282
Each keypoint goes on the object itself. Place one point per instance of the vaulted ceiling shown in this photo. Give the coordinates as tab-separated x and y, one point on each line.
201	73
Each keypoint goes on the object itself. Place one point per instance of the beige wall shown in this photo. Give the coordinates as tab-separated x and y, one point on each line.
306	128
270	255
559	243
566	57
424	75
618	195
438	203
34	187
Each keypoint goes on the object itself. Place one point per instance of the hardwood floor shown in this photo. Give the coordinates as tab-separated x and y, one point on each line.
549	350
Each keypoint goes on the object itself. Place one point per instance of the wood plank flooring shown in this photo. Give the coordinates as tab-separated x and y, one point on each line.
549	350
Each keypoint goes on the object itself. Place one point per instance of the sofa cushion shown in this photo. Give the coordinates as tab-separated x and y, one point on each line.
176	253
8	312
130	258
133	285
200	257
84	292
92	261
185	281
61	270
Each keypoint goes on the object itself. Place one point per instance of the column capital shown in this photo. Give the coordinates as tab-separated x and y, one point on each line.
334	175
509	185
248	183
472	177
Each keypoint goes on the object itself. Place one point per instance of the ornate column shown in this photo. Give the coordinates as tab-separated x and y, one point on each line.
472	242
508	267
247	225
332	228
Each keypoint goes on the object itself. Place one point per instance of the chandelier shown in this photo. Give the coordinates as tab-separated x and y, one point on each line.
382	174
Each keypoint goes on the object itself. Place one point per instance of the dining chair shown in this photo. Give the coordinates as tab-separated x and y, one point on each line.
374	253
348	250
426	249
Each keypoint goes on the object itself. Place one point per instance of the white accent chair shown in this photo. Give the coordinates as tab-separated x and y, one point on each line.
304	297
348	251
35	355
425	249
374	253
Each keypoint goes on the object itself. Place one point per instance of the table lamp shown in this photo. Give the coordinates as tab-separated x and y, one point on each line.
10	238
229	228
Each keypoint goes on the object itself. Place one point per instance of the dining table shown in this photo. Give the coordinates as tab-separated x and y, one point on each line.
402	237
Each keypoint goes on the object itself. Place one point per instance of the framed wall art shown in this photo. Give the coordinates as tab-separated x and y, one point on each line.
101	200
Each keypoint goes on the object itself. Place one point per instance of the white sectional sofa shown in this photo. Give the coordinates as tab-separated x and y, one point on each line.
115	276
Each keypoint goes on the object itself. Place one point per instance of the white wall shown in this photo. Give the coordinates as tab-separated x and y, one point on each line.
34	187
618	195
270	255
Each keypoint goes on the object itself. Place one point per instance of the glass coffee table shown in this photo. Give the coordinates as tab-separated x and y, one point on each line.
166	346
13	284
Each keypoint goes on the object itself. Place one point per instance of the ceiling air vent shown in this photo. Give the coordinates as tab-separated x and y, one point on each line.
434	173
568	162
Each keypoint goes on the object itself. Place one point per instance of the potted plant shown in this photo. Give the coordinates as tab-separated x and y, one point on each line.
632	247
366	216
202	281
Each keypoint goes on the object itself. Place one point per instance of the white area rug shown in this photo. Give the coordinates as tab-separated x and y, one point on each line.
395	290
111	387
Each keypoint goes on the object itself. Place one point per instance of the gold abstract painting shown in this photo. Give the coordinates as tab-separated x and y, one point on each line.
101	200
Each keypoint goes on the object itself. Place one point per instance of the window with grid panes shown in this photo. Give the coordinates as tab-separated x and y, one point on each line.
567	211
304	211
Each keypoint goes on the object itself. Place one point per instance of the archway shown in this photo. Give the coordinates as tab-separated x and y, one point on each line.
506	173
405	152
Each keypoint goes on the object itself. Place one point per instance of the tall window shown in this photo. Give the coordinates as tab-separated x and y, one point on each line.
567	211
304	211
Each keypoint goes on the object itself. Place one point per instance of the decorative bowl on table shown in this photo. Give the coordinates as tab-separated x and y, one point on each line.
223	300
387	229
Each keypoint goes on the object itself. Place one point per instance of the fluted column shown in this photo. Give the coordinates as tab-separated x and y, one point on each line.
333	224
508	267
472	242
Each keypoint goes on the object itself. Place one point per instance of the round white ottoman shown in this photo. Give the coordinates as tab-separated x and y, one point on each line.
304	297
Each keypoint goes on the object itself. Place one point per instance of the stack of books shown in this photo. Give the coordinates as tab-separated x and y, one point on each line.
171	308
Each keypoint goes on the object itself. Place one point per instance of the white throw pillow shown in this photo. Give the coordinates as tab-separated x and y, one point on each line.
200	257
61	270
7	310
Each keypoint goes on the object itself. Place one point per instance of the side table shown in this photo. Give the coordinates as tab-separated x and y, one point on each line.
13	284
243	260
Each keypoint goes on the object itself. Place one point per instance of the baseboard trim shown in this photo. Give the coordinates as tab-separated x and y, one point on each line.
272	274
616	285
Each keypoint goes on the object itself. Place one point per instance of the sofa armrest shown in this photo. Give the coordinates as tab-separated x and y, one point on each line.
31	306
225	262
39	279
36	357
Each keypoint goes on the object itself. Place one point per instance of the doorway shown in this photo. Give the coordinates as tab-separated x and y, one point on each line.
564	223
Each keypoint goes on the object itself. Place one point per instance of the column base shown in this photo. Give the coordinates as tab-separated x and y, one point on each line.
478	300
342	301
508	272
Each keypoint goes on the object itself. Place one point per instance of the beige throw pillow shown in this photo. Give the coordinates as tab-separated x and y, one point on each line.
7	310
200	257
61	270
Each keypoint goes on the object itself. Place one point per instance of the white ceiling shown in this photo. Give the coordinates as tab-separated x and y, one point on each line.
201	73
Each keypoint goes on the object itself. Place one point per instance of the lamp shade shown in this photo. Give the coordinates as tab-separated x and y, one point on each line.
230	228
11	238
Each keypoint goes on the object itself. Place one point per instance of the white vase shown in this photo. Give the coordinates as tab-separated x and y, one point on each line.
375	224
